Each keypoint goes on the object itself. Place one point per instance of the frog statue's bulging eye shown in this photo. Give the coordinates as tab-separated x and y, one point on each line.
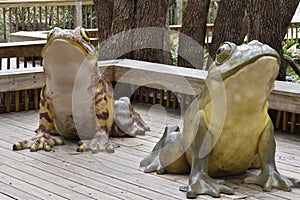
85	34
223	53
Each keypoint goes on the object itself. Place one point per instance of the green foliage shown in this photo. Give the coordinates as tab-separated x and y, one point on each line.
287	46
174	40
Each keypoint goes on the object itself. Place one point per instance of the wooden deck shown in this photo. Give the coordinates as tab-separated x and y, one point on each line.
65	174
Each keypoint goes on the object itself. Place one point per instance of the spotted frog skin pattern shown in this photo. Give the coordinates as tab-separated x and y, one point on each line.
77	101
227	128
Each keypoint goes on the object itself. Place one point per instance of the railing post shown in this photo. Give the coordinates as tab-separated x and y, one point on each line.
179	12
78	13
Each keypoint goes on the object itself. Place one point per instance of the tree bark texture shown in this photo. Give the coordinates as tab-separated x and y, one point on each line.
119	45
151	42
131	36
192	37
229	24
104	18
269	21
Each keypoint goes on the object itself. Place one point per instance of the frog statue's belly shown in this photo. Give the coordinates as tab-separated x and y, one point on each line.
72	102
246	118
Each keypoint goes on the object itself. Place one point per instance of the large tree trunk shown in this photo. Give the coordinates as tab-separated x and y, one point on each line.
229	24
192	37
270	25
150	42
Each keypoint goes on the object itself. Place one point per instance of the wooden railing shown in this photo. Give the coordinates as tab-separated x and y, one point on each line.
152	83
41	15
293	31
17	61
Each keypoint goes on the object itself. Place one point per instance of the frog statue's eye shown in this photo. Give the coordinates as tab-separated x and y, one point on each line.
85	34
223	53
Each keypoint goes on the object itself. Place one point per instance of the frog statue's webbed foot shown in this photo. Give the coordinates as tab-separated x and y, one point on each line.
127	122
41	141
270	177
202	183
273	180
99	143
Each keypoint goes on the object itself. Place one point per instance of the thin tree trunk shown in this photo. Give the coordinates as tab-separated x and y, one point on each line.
192	37
292	63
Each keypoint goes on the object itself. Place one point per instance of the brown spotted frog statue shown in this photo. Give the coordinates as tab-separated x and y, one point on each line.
77	101
227	128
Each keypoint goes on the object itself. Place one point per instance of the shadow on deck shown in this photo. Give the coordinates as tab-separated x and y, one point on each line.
65	174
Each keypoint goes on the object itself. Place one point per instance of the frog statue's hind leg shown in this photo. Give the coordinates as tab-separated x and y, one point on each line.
199	181
270	177
168	155
42	139
127	122
104	109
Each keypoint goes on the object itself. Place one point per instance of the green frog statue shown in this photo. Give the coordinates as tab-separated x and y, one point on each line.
226	129
77	101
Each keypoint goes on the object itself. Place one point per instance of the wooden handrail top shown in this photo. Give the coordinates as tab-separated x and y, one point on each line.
123	66
20	44
21	79
39	3
22	49
285	96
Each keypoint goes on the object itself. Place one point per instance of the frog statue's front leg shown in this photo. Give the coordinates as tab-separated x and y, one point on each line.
270	177
104	109
199	181
42	140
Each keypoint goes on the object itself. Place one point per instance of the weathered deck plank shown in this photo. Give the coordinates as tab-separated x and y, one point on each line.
65	174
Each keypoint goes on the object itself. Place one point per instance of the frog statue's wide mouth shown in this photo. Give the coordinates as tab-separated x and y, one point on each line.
231	59
62	55
72	37
256	67
260	67
65	53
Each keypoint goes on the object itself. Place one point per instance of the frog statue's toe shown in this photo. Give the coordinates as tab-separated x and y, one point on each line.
99	143
127	122
42	141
